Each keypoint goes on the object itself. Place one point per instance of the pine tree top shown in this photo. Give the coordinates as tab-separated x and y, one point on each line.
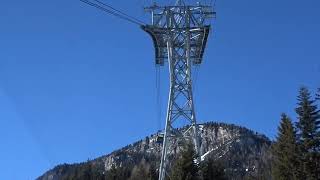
285	151
308	118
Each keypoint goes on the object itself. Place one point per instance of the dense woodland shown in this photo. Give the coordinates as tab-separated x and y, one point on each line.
295	155
184	168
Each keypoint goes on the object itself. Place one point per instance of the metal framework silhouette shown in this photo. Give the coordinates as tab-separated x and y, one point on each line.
180	34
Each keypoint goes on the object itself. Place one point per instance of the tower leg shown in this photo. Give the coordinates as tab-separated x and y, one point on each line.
180	103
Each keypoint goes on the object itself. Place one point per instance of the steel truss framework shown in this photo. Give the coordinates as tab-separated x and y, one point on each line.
179	34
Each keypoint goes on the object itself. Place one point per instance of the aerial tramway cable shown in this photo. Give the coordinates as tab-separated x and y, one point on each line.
158	97
113	11
195	78
213	3
122	13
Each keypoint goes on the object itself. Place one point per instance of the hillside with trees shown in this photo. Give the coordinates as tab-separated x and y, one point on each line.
231	152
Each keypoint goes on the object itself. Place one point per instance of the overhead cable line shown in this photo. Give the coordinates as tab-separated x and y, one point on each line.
124	14
109	9
158	96
195	77
214	3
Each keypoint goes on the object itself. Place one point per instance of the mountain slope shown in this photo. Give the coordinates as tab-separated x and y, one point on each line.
244	154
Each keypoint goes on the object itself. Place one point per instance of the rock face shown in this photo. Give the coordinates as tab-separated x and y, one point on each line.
244	153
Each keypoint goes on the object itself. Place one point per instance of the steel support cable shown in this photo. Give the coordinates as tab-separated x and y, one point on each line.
122	13
214	3
158	98
111	12
195	78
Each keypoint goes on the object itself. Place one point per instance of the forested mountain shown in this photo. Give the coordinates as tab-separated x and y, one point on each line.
240	153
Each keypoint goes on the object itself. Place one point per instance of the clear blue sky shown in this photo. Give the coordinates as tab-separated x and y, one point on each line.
76	83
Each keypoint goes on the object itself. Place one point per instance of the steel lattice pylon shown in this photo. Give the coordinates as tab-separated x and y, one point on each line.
179	33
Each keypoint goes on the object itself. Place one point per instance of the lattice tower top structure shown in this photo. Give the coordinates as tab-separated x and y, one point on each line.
179	34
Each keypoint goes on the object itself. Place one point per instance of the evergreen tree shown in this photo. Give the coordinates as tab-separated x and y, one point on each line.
139	172
143	171
185	167
308	126
87	171
112	173
118	173
212	170
285	152
153	174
